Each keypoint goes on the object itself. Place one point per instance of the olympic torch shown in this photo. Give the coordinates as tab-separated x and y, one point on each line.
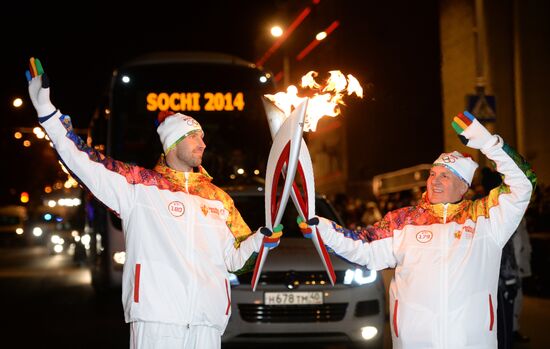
288	116
282	161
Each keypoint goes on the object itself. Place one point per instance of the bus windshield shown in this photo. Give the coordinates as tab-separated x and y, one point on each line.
223	95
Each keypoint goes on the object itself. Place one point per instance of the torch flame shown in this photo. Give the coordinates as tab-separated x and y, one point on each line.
325	101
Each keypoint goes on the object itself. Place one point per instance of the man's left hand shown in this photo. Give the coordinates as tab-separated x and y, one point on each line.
305	226
471	132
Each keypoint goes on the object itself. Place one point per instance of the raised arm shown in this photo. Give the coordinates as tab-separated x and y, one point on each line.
105	178
506	204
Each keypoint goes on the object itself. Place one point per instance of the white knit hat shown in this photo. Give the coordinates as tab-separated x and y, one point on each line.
460	164
174	128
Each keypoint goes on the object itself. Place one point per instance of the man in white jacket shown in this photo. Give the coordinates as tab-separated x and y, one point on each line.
182	233
446	251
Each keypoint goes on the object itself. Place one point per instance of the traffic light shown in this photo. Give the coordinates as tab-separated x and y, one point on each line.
24	197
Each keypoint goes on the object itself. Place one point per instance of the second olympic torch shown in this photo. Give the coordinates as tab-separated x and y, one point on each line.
289	156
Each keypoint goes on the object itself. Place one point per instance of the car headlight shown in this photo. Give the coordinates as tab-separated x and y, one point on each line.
359	276
233	280
56	239
37	231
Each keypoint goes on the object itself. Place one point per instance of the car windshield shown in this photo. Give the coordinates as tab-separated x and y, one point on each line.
252	209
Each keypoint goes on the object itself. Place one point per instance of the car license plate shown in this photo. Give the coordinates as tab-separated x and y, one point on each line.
293	298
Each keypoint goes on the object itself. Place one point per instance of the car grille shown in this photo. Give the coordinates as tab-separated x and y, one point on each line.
366	308
295	278
292	313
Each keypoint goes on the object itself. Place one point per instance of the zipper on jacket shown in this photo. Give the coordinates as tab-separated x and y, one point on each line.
444	283
186	175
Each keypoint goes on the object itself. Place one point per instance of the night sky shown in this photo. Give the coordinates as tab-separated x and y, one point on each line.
391	47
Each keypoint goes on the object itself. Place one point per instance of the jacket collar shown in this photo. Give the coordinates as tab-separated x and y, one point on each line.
438	210
179	177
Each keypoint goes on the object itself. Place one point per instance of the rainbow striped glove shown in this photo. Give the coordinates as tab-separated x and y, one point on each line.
272	238
305	226
39	88
471	132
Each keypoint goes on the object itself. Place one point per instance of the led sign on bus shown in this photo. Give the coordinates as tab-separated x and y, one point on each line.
195	101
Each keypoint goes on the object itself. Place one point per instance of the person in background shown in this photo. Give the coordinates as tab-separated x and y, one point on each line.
514	265
182	233
446	251
371	215
522	252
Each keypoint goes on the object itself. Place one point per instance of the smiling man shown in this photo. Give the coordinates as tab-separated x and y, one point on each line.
446	250
183	234
450	178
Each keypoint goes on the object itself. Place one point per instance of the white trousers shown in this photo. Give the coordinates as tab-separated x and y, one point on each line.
154	335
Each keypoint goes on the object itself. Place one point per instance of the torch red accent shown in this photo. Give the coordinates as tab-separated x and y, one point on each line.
491	313
275	204
326	256
228	298
395	319
258	259
302	201
136	283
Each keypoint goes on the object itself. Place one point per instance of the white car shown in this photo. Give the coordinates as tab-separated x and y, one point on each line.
294	300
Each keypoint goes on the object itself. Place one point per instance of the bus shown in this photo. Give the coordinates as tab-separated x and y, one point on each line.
222	92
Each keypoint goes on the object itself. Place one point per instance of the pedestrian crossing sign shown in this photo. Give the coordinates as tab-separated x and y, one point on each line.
482	106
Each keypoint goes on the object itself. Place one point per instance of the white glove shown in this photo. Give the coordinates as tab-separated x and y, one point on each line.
39	89
472	133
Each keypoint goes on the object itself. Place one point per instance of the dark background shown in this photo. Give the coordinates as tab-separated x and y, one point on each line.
391	47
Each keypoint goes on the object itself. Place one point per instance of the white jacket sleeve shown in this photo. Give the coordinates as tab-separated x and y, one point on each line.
506	204
88	166
236	255
348	244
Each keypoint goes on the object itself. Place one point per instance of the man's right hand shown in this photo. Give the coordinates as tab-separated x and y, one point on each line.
39	88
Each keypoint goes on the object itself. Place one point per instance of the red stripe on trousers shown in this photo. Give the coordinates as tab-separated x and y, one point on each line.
395	319
136	283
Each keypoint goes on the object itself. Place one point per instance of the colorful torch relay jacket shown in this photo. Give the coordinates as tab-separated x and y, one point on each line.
446	259
182	233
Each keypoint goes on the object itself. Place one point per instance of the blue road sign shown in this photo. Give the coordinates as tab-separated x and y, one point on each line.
482	106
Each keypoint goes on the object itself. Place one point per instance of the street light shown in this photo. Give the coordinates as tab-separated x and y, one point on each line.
17	102
276	31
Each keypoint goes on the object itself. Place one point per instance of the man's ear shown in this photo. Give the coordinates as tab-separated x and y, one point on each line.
465	187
